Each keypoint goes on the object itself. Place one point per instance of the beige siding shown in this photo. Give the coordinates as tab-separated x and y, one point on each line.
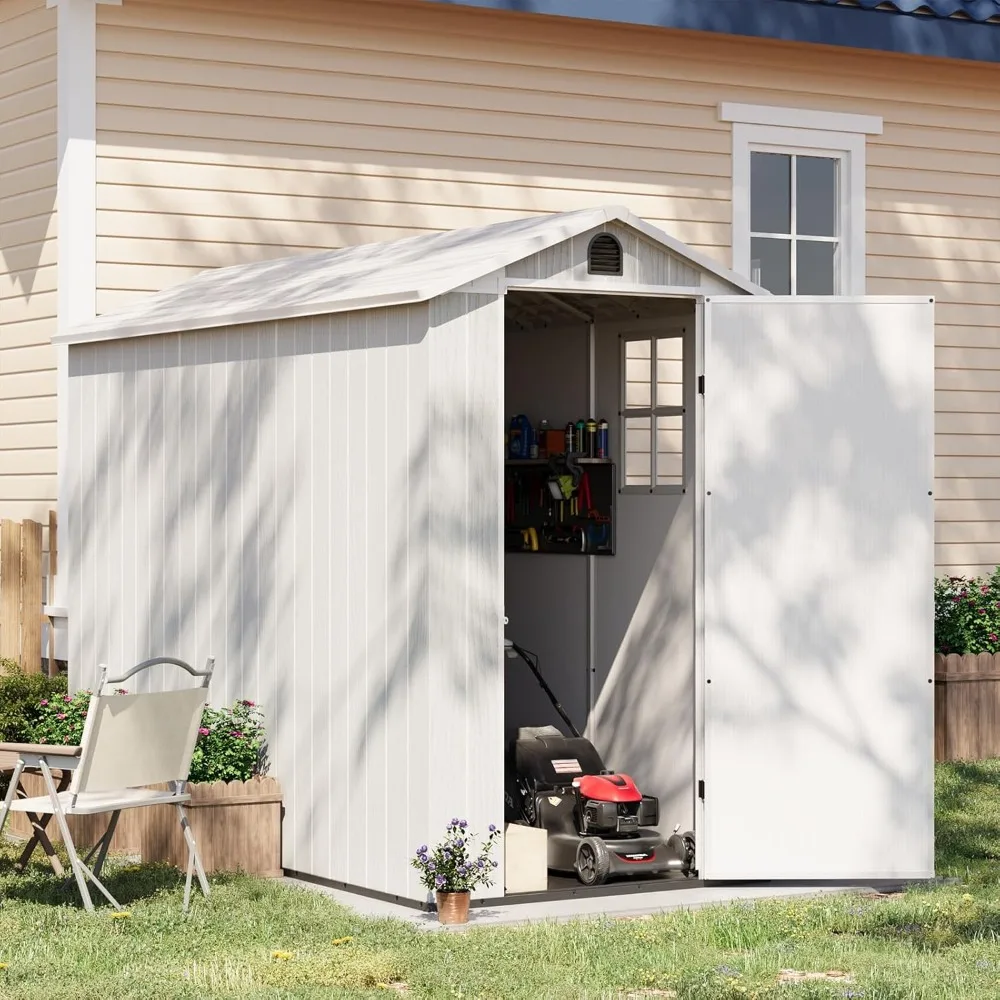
27	258
228	132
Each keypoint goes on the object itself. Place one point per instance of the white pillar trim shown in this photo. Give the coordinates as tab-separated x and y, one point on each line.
76	196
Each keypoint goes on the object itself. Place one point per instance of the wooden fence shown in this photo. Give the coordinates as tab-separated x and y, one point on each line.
22	591
237	827
966	706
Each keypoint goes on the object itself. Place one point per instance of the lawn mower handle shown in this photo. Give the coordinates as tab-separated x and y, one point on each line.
532	662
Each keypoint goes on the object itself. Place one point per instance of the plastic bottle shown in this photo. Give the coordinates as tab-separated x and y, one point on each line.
602	438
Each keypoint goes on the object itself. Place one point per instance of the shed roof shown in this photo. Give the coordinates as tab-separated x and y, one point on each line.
972	10
363	277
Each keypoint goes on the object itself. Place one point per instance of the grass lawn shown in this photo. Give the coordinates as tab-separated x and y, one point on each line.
256	939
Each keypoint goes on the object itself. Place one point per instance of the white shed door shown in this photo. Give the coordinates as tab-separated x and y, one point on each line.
818	588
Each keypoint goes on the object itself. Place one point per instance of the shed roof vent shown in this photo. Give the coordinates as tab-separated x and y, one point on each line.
604	255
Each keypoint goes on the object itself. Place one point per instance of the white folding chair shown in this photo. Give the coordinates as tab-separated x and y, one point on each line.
129	740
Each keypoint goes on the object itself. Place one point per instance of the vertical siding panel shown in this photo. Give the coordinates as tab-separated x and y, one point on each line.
286	487
484	749
320	638
337	661
250	542
199	385
270	662
419	720
115	511
234	530
214	420
131	451
174	500
395	598
357	687
378	624
303	621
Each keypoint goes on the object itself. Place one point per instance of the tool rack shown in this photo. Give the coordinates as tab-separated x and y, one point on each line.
536	522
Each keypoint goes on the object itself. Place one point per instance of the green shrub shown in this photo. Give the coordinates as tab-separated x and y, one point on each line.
60	719
20	697
967	614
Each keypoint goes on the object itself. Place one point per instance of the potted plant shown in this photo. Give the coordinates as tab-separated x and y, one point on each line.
454	868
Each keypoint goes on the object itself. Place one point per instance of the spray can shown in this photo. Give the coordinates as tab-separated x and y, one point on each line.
569	438
542	437
578	432
590	439
602	438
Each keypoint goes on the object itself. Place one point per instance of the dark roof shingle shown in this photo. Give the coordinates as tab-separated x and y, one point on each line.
980	11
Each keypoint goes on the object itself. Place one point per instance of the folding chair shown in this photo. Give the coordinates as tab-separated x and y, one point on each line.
129	740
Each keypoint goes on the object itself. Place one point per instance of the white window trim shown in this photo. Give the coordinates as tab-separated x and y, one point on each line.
810	133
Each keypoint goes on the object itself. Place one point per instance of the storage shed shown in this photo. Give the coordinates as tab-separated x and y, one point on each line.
300	467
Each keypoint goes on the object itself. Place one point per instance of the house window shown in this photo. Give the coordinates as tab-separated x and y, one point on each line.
652	414
799	198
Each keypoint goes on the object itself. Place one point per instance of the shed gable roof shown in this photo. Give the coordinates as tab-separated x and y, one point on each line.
971	10
363	277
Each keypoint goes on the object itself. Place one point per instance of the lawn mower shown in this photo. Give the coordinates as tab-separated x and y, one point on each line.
599	824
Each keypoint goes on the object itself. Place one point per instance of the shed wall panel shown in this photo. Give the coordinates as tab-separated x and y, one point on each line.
271	504
227	134
27	257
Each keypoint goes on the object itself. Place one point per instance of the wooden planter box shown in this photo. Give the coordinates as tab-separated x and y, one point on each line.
237	827
966	706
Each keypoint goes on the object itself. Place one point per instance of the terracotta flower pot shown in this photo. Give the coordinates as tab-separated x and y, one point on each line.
453	907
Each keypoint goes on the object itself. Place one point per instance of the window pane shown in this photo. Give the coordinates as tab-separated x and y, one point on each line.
815	271
770	264
638	451
670	451
816	196
770	193
638	373
669	371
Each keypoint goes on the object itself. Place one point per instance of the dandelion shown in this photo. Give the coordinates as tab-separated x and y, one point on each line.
4	966
121	915
281	956
343	940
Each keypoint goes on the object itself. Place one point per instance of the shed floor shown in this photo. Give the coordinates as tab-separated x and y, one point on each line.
621	905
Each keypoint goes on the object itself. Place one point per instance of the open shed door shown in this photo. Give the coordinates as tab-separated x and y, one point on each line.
818	588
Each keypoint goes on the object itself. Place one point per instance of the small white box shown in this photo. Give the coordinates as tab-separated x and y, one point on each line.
525	859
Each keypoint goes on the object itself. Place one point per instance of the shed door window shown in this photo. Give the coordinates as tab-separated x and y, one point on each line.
653	414
795	245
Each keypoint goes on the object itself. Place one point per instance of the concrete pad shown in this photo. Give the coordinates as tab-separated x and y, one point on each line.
563	910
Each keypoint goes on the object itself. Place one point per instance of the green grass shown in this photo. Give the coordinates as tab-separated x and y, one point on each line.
940	944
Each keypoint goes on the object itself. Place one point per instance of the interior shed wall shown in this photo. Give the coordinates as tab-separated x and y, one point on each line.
546	376
311	503
643	718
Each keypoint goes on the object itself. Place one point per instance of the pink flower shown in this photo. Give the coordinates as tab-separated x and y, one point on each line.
982	611
956	599
61	715
993	637
984	590
237	734
247	704
203	731
44	702
67	697
121	691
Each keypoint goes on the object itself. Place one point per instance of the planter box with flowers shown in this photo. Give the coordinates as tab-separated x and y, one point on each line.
235	810
453	868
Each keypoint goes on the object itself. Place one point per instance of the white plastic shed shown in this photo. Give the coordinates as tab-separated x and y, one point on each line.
298	466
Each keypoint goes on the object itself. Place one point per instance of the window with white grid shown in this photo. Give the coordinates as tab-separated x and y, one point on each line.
652	414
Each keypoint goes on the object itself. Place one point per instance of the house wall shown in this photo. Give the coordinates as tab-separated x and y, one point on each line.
310	502
27	258
233	131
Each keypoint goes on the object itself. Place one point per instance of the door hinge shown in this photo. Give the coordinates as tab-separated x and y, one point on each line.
701	789
701	385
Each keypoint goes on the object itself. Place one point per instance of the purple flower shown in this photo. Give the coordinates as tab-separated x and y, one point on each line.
496	864
203	731
431	866
493	828
44	702
439	881
459	842
462	869
422	849
446	855
454	821
480	863
463	824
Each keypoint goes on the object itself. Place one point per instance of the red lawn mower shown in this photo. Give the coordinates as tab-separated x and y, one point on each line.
599	824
